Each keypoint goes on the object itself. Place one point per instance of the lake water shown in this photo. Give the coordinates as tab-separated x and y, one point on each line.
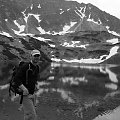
89	92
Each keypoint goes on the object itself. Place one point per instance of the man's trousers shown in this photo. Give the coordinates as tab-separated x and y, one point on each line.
29	108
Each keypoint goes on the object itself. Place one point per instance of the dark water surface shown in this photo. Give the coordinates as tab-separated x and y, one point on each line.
75	91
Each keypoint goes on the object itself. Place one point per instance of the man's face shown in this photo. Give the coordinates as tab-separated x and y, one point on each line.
35	58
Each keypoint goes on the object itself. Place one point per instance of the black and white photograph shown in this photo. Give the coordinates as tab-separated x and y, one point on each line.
59	60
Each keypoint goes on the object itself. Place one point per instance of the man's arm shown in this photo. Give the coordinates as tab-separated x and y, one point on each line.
20	77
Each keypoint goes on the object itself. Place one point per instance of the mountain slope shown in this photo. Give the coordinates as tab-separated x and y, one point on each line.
38	17
62	30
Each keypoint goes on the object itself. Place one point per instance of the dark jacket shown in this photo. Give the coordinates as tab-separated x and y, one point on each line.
33	77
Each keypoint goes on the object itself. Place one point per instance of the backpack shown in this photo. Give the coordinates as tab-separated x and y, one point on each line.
12	84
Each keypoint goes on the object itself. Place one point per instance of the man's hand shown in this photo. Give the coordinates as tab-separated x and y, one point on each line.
25	90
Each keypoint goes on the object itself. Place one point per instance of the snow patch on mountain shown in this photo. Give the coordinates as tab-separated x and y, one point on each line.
113	41
112	32
74	44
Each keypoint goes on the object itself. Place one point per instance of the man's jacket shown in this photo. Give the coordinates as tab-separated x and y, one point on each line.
31	80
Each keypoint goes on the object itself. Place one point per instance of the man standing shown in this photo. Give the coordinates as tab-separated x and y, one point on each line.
27	81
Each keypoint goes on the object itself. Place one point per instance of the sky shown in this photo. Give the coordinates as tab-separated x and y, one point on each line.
110	6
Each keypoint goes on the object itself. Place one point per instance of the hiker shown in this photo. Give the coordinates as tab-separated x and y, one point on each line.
28	85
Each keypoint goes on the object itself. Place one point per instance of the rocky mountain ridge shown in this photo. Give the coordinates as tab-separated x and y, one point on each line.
50	16
62	30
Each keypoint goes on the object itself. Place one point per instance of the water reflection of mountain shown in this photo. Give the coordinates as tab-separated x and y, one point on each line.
96	75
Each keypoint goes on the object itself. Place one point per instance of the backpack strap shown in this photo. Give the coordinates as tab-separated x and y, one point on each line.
21	99
27	72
